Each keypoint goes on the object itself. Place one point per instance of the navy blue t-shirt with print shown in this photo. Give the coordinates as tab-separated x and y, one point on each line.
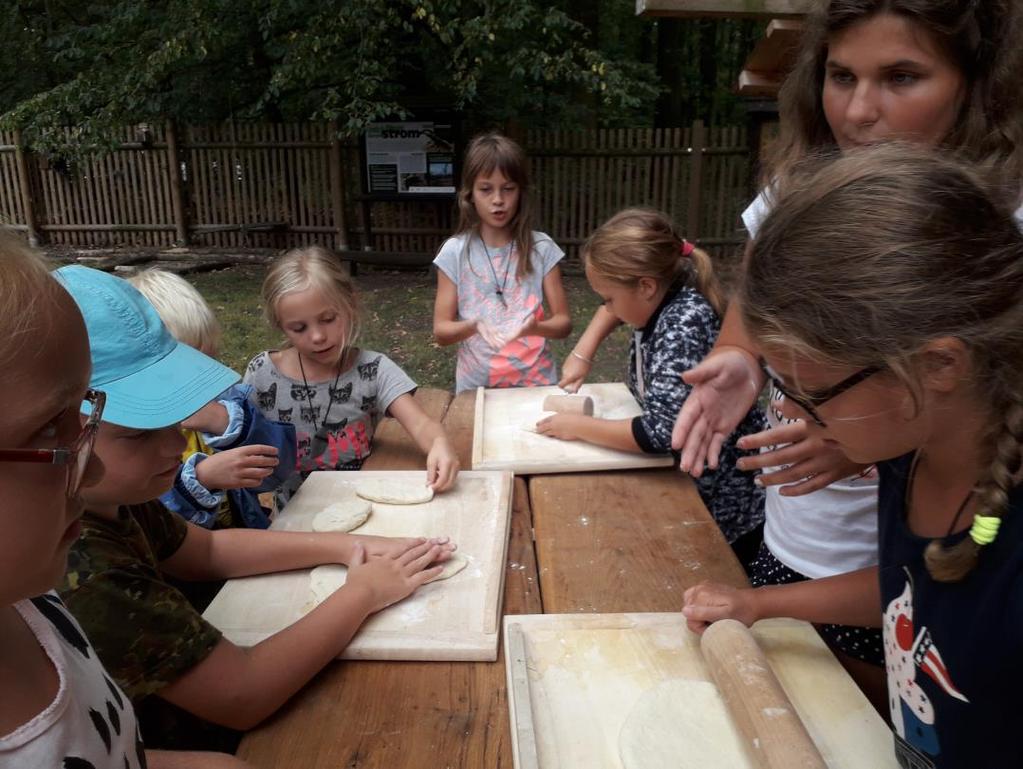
953	651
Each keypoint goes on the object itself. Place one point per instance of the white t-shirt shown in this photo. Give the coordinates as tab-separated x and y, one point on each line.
90	722
833	530
828	532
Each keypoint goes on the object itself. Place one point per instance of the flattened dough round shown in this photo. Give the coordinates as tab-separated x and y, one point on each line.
345	515
452	566
390	492
323	580
681	724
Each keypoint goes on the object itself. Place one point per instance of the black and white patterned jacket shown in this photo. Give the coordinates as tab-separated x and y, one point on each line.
680	334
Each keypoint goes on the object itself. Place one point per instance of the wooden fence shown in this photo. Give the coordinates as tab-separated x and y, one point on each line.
241	186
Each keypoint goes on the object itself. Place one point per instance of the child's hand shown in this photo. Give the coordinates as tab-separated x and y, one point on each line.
240	468
564	427
442	465
391	547
573	373
491	335
390	578
725	387
708	602
812	463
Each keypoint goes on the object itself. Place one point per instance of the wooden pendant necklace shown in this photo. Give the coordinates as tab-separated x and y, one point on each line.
319	444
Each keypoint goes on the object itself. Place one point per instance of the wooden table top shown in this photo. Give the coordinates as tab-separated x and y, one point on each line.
605	542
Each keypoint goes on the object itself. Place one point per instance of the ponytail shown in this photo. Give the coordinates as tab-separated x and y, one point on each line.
640	243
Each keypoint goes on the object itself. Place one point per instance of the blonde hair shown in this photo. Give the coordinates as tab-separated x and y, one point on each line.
28	298
866	259
313	267
642	243
493	152
181	308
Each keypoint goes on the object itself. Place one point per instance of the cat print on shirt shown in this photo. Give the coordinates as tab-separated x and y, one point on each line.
267	399
368	371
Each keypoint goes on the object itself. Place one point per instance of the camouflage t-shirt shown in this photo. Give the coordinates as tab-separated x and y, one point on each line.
145	631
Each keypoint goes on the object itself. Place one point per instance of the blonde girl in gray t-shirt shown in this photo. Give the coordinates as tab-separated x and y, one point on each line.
332	391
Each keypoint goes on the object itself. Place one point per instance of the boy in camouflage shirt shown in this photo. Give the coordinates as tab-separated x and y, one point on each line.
157	647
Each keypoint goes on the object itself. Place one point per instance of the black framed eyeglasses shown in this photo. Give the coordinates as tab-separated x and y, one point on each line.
810	402
76	456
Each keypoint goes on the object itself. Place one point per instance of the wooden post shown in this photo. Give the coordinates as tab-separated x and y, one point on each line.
25	185
337	189
699	139
177	194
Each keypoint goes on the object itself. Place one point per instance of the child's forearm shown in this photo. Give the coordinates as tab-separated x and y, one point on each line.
600	327
239	687
229	553
447	332
845	599
426	433
555	327
611	433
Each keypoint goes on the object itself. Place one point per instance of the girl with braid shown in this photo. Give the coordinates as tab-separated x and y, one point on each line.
905	348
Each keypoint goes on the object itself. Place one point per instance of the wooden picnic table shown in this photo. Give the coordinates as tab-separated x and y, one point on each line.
581	542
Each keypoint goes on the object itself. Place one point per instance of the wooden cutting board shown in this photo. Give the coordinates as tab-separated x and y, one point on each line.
501	440
455	619
574	679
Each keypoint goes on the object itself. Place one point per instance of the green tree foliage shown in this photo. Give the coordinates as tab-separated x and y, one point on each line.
94	66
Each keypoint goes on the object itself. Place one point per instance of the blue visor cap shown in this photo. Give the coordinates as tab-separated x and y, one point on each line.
151	379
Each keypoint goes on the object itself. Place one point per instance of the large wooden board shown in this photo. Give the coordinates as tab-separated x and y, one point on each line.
501	440
574	679
456	619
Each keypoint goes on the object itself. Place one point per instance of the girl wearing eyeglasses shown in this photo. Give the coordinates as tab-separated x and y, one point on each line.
59	705
905	348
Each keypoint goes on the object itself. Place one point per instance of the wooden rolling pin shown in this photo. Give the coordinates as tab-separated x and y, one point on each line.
764	714
569	404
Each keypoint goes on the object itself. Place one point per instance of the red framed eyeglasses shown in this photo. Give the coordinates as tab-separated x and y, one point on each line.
76	456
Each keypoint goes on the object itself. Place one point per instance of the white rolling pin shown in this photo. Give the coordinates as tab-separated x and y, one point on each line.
765	716
569	404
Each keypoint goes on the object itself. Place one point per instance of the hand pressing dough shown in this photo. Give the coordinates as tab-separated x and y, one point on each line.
391	492
681	724
452	566
346	515
325	580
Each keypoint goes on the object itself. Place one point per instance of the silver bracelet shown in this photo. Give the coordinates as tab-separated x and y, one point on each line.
580	357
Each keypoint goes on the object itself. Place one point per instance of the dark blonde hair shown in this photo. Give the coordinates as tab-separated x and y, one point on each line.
28	298
866	259
313	267
643	243
981	39
493	152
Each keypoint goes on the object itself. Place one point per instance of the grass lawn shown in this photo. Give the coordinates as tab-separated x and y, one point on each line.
398	320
